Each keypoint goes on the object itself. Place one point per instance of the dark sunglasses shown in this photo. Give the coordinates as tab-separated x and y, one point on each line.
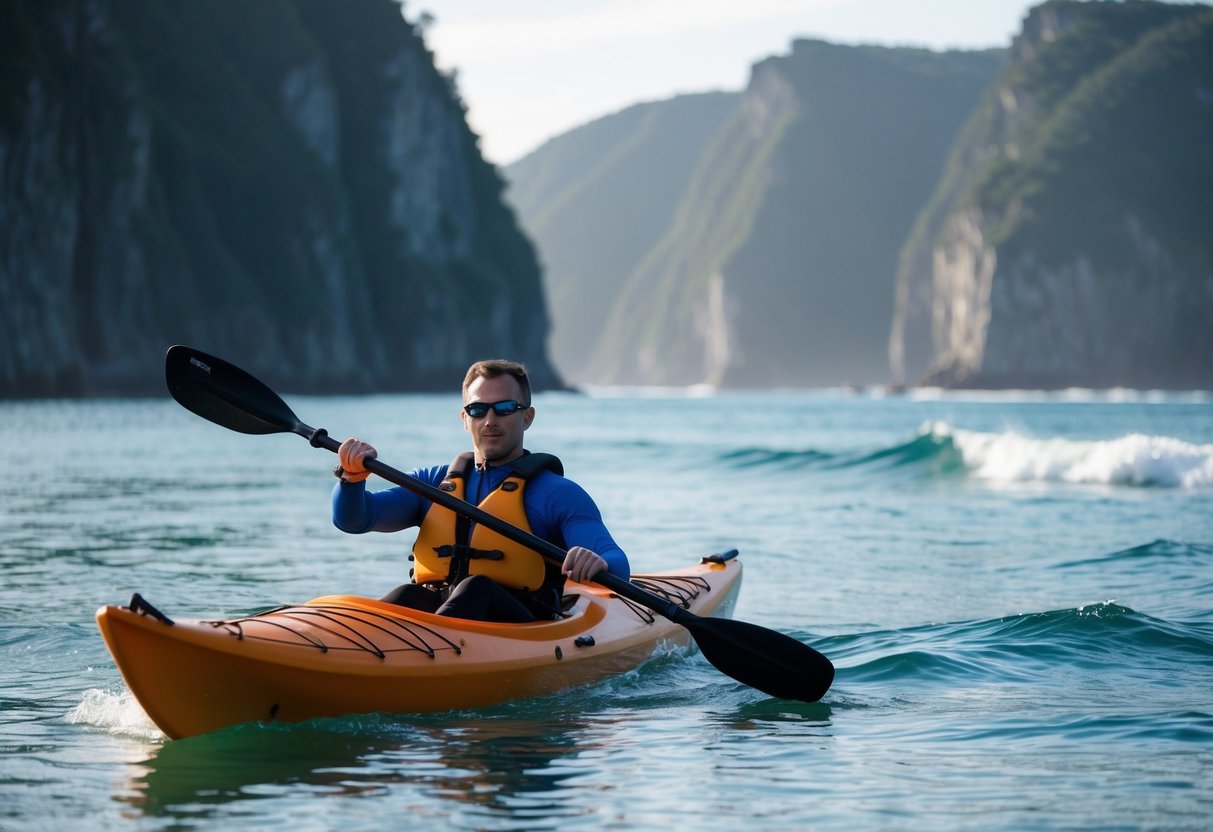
478	410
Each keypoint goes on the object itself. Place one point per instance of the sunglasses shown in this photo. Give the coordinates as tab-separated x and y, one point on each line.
478	410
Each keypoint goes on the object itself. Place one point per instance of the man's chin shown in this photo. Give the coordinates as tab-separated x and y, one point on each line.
493	454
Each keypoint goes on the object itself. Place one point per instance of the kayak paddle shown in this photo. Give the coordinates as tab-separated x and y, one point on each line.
769	661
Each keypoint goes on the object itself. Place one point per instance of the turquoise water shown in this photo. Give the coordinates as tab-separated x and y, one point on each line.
1017	590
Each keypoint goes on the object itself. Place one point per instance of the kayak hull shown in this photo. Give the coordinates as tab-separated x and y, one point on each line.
345	654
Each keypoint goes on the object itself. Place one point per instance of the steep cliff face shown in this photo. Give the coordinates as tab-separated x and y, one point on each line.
1069	243
671	322
289	184
778	266
599	197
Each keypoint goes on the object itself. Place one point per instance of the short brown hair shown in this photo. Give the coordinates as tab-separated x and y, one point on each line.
494	367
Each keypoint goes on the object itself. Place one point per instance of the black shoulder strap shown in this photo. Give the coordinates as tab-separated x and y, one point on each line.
460	465
526	466
458	470
529	464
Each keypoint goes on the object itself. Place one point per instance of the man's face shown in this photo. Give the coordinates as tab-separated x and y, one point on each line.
497	439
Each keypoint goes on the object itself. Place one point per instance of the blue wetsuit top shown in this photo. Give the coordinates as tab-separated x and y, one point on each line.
558	509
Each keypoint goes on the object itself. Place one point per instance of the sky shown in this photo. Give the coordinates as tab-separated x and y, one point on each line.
529	70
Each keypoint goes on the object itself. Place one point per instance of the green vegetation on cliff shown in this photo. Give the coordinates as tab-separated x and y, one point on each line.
1097	153
1083	182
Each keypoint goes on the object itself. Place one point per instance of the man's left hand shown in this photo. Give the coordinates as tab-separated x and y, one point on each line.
581	565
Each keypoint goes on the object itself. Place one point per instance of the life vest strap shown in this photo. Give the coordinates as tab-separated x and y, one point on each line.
526	466
469	552
530	464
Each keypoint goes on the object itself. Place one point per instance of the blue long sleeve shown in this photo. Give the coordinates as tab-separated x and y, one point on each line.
357	510
562	510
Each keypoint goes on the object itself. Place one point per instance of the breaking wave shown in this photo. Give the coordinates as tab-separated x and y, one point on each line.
1135	459
1008	457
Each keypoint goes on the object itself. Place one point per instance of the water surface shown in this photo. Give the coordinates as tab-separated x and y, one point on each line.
1016	590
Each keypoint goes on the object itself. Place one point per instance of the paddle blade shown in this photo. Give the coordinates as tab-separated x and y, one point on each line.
770	661
224	394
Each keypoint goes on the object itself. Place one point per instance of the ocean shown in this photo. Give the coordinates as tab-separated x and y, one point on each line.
1016	589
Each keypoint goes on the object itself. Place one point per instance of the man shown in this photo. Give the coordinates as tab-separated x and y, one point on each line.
466	571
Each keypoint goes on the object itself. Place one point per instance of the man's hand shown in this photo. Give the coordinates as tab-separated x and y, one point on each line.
581	565
352	453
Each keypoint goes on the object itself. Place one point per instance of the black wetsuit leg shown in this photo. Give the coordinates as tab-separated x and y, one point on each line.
480	598
415	597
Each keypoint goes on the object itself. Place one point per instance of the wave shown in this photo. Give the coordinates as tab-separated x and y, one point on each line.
765	457
1135	459
1010	457
1099	638
925	448
1148	555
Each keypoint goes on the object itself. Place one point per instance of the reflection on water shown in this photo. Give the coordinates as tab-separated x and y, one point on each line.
780	714
488	764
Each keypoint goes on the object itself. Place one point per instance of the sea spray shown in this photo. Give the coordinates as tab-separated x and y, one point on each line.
117	713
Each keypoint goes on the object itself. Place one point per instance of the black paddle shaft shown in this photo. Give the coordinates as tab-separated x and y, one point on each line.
784	667
764	659
549	551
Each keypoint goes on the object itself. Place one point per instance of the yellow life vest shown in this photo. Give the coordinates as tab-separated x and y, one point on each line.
450	547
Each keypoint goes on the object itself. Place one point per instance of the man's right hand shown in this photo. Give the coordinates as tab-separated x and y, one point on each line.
353	453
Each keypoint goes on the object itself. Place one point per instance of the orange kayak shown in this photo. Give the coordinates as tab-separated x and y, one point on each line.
344	654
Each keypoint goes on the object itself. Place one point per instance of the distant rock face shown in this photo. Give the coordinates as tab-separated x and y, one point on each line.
746	240
1032	217
964	274
1069	242
776	270
1032	324
599	198
291	186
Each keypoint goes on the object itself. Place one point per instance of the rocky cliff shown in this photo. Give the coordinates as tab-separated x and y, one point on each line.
290	184
597	198
1069	242
776	268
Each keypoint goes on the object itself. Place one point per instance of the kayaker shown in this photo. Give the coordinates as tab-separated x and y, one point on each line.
465	571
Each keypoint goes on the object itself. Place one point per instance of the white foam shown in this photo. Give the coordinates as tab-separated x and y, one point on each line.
1135	459
117	713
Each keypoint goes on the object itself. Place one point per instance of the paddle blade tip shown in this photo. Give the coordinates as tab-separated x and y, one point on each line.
222	393
769	661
